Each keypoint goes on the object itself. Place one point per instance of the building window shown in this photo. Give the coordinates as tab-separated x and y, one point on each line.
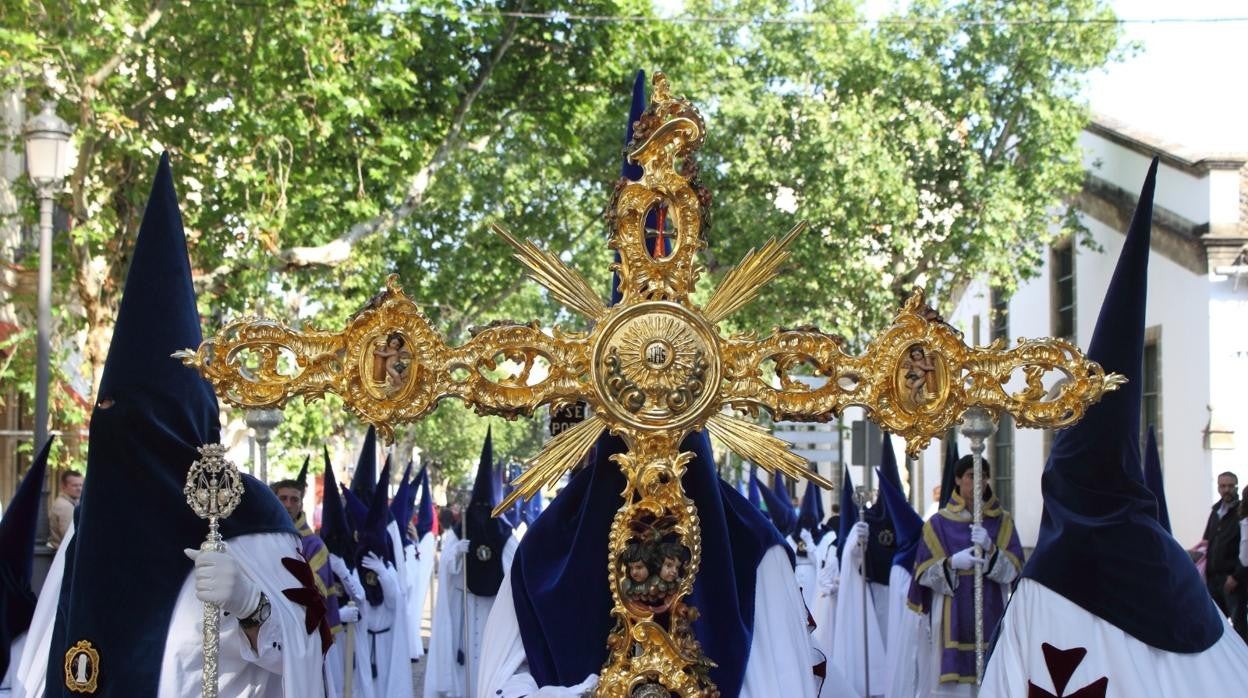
1150	385
1003	439
1064	290
1003	461
999	322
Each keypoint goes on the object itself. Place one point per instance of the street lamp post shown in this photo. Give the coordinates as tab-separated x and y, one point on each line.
263	422
47	163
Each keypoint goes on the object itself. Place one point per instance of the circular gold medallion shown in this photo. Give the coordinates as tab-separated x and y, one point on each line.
656	365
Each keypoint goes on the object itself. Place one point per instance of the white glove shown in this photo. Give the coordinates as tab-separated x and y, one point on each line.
965	559
348	614
461	549
859	534
219	580
980	537
809	540
386	576
338	566
584	688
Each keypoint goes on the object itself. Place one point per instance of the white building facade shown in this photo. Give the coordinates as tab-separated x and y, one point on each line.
1196	355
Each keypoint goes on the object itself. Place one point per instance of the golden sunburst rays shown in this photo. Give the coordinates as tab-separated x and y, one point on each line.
745	280
560	455
565	284
679	349
755	444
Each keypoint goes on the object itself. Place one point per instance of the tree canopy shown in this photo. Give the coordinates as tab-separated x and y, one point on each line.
321	144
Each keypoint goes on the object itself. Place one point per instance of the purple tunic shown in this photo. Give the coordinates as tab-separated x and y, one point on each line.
946	533
317	555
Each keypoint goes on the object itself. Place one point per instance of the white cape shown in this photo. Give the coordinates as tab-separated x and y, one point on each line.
32	670
907	663
420	569
15	656
824	612
445	676
286	663
1038	616
780	651
848	638
385	633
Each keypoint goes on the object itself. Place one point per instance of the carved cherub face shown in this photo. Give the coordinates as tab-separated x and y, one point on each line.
638	572
670	569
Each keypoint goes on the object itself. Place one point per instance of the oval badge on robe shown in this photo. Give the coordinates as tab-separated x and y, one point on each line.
82	668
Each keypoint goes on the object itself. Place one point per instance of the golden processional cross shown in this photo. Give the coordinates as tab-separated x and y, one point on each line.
653	368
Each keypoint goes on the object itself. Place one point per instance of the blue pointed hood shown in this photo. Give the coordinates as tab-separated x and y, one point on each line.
782	516
513	515
882	543
630	170
357	512
487	534
400	506
365	475
424	518
151	416
1154	480
811	514
1100	544
17	552
755	497
560	586
947	481
849	513
907	524
533	508
302	478
335	530
373	537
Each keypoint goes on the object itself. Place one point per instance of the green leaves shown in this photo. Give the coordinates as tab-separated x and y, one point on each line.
922	153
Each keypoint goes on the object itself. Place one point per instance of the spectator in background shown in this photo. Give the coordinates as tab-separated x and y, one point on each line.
62	511
1227	578
1243	528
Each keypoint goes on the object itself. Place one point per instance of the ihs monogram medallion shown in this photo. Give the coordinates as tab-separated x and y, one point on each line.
653	369
656	366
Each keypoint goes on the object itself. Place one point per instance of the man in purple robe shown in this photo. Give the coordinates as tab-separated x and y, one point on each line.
290	493
944	570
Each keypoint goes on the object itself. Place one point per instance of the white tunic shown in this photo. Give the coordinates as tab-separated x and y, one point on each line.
286	661
1003	572
780	651
445	676
419	570
1037	616
907	663
848	653
824	612
32	670
15	656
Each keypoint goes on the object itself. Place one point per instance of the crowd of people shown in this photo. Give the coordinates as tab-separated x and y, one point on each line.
871	601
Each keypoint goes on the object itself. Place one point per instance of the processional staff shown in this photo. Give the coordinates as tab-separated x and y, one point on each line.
213	490
860	499
978	425
348	654
463	624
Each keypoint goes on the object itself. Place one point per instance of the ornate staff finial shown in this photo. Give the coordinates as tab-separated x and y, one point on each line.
213	489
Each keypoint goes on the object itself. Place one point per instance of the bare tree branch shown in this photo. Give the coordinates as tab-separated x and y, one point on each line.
339	249
139	36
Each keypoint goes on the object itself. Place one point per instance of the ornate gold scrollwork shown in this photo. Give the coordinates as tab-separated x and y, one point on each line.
652	369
